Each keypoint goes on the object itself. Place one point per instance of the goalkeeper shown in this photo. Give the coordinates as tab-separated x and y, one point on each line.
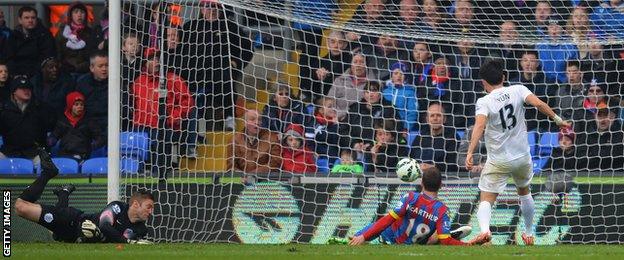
117	223
416	219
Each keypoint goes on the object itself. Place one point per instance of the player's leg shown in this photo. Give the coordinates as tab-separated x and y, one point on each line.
63	192
25	205
522	175
492	182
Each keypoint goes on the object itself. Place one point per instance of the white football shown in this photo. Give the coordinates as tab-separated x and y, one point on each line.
408	170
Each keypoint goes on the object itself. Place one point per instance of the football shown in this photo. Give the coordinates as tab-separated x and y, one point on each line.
408	170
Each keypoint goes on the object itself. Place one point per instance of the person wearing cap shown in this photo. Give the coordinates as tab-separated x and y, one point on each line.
76	40
217	50
23	122
554	51
51	86
567	156
604	138
78	135
402	95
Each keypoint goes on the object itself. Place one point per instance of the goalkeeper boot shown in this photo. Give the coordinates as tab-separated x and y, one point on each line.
528	240
461	232
69	188
48	168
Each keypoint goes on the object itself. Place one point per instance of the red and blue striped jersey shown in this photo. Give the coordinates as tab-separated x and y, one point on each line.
417	216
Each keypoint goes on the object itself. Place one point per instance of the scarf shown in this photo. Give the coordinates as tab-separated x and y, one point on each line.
321	119
76	29
439	82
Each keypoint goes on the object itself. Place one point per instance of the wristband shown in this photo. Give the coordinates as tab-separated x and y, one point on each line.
557	119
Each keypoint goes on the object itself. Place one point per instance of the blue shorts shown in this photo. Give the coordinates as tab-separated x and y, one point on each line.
386	236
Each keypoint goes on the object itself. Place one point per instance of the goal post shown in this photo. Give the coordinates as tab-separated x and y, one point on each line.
282	121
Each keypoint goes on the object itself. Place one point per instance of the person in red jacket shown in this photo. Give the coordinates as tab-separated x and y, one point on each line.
178	106
296	157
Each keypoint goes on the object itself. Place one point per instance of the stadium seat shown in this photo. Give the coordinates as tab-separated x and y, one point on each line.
134	144
65	166
460	134
129	166
100	152
411	136
532	135
16	166
95	166
323	165
548	141
539	163
310	109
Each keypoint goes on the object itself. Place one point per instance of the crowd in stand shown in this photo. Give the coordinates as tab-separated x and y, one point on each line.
368	101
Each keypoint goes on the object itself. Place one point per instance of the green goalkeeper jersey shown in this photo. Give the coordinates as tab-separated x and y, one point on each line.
353	168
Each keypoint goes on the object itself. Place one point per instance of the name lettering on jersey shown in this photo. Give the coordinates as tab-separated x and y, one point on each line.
424	214
504	97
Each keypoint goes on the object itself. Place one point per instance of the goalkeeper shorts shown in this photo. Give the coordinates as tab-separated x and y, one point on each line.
495	174
63	222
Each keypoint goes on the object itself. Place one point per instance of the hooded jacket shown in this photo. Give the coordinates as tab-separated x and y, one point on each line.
299	160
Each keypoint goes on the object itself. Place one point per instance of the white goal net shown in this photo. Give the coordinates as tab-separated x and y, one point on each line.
278	121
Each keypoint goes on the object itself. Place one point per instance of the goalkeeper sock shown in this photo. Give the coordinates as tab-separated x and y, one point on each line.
33	192
484	214
527	208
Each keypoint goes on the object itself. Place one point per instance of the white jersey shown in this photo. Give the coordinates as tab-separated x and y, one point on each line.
505	131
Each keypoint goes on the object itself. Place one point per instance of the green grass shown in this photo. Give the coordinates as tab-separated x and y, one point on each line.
298	252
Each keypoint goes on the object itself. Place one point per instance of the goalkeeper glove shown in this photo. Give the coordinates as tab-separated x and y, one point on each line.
90	230
140	242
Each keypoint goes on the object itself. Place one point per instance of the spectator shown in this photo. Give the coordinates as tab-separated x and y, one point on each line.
437	144
5	33
433	15
603	65
543	13
101	30
325	140
385	153
23	122
604	137
76	41
422	64
173	54
370	13
94	87
347	163
462	21
362	116
534	79
402	96
608	19
555	52
296	158
282	110
478	158
51	86
348	88
30	43
316	80
311	35
178	105
256	149
78	135
217	50
5	91
383	54
509	49
409	19
444	88
580	30
567	156
130	70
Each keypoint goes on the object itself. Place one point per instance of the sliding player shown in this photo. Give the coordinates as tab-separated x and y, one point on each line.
501	115
118	223
417	217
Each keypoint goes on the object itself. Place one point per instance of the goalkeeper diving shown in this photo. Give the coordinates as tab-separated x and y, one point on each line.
419	218
119	222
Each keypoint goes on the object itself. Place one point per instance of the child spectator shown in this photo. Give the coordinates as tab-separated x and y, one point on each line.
567	156
385	153
4	82
296	158
78	135
347	163
325	139
76	40
402	96
130	70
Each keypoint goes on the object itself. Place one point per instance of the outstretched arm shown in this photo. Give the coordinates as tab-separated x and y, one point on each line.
379	226
544	108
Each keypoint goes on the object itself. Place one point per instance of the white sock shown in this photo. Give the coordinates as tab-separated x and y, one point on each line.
527	208
484	214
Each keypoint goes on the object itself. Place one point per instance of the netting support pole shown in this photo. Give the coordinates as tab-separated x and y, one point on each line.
114	98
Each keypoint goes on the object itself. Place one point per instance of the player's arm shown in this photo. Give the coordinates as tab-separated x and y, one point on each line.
107	220
477	133
544	108
379	226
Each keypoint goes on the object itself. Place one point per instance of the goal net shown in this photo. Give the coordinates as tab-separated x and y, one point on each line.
278	121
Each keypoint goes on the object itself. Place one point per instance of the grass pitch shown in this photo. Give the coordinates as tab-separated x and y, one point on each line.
299	251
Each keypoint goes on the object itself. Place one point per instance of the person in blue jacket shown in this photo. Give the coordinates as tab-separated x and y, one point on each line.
402	95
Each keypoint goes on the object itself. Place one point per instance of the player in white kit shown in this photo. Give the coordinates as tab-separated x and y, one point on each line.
500	114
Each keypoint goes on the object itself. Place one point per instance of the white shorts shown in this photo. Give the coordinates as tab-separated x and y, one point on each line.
494	175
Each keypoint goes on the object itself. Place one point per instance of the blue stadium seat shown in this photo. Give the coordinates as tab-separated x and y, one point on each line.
532	135
16	166
134	144
65	166
310	109
100	152
539	163
323	165
411	135
460	134
95	166
548	141
129	166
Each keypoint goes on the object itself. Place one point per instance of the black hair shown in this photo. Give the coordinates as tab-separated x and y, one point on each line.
492	71
431	179
25	9
575	63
